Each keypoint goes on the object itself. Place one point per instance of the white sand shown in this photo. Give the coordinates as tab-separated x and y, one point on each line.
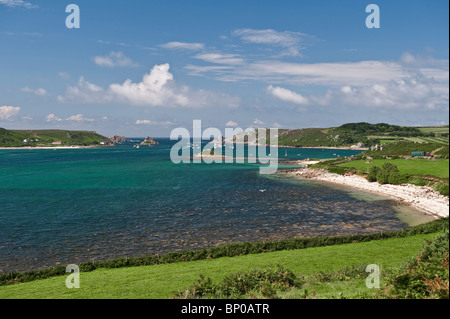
49	147
422	198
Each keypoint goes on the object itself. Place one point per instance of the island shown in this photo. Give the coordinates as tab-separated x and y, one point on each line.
149	141
51	138
117	139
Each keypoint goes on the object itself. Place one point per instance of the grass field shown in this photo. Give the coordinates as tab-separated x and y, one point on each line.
435	129
439	168
440	136
162	281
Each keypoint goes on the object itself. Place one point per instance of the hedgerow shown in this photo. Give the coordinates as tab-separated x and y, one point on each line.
228	250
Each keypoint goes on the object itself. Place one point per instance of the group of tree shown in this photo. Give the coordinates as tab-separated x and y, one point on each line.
387	174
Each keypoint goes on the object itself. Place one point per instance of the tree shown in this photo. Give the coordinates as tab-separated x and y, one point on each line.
373	173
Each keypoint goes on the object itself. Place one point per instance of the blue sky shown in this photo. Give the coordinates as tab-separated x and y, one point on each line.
140	68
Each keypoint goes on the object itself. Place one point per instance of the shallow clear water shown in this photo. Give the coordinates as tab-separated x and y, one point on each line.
74	205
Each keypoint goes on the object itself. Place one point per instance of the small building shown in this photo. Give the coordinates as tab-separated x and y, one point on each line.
418	153
57	143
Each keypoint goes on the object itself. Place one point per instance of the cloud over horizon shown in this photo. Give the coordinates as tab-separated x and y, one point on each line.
157	88
114	59
74	118
286	95
183	46
290	42
18	3
6	112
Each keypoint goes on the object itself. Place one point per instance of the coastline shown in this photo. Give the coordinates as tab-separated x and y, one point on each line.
52	147
349	148
422	198
311	147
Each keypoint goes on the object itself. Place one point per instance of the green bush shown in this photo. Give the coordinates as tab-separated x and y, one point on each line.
397	179
373	173
346	273
337	170
387	174
442	188
425	276
265	281
418	181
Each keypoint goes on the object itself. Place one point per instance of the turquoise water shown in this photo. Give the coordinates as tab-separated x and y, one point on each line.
74	205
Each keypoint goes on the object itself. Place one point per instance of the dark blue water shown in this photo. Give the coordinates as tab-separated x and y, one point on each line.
74	205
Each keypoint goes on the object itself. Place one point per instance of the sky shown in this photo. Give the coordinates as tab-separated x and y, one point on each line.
142	68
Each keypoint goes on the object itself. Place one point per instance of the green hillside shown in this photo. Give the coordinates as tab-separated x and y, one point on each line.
368	134
33	138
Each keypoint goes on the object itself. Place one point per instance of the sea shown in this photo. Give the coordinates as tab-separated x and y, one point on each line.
68	206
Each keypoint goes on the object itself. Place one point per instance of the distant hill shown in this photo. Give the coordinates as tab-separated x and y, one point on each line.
33	138
362	133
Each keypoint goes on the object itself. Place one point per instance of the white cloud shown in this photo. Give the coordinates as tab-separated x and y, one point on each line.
289	41
74	118
287	95
231	124
339	73
412	82
79	118
258	122
39	91
154	89
220	58
114	59
328	74
154	123
64	75
85	92
18	3
277	125
157	88
53	118
406	94
407	58
183	46
200	70
6	112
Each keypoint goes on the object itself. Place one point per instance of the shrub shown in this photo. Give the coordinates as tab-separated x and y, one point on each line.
418	181
443	189
387	174
397	179
346	273
337	170
266	281
373	173
425	276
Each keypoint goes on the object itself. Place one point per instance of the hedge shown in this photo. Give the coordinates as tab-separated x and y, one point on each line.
228	250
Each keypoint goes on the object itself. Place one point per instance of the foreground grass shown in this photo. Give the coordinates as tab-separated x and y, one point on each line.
439	168
162	281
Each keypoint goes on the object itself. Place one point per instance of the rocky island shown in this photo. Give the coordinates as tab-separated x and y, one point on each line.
117	139
149	141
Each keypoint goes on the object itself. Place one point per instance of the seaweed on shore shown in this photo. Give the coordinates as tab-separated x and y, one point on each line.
228	250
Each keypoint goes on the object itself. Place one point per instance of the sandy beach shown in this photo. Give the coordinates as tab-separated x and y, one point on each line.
50	147
423	198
